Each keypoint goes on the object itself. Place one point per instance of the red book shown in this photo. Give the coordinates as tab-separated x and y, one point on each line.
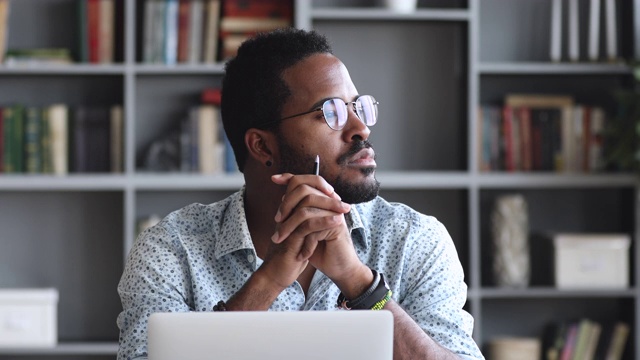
1	140
211	96
183	30
258	8
507	134
93	27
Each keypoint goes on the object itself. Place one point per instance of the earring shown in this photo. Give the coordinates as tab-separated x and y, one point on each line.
269	163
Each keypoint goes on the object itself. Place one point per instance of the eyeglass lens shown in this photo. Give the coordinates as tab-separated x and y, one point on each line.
336	114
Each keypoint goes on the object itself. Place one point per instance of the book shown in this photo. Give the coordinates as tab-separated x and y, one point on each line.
196	15
184	10
618	341
170	44
32	140
116	146
556	31
208	143
611	26
58	116
211	30
4	27
594	30
574	30
106	25
93	30
37	56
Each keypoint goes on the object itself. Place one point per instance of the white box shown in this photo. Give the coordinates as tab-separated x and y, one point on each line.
28	317
591	261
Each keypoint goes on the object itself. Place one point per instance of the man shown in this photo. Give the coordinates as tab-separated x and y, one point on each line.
293	240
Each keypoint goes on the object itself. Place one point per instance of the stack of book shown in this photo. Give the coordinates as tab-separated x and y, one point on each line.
242	19
541	133
181	31
55	140
585	339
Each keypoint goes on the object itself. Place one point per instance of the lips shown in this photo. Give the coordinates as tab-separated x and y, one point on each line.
364	157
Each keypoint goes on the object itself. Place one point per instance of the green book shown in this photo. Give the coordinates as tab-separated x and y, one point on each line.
32	140
45	143
17	141
7	158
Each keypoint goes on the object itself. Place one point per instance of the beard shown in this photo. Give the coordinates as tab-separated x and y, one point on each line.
295	162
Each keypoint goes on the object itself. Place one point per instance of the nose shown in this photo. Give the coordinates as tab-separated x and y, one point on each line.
354	128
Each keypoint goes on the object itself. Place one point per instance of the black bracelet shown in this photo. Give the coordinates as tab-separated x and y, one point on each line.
220	306
372	299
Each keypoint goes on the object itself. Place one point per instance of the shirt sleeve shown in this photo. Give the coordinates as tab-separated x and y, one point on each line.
154	280
436	292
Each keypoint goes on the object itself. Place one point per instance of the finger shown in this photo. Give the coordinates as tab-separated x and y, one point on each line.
293	181
309	246
301	199
307	221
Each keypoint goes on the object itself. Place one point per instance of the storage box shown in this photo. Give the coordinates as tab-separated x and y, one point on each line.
28	317
591	261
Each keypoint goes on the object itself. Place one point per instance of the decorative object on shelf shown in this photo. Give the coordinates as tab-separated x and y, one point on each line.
510	231
621	135
401	6
508	348
29	317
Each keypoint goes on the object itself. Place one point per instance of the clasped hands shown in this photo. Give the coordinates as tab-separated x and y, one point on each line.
310	229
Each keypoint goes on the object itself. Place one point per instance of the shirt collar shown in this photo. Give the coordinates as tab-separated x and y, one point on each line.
233	231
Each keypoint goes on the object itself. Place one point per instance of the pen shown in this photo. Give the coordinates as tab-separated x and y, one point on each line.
316	165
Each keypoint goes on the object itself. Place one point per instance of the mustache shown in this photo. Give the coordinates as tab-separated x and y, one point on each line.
355	148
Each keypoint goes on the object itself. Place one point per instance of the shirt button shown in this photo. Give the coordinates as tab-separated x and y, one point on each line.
250	258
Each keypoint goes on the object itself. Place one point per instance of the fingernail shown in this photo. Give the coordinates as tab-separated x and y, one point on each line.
339	198
277	176
275	236
278	216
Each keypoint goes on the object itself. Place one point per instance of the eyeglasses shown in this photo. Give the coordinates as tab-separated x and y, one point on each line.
335	111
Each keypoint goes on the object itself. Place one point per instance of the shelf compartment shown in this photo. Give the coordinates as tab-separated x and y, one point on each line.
76	241
419	129
522	32
530	317
162	102
553	210
55	24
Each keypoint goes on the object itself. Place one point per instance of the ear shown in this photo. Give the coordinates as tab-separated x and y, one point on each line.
260	144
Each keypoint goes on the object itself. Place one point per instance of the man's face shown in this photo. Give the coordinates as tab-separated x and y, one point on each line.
347	160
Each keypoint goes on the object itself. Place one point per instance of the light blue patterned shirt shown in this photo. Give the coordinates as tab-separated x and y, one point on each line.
202	254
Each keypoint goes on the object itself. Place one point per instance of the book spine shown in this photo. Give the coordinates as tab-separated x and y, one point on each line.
574	30
556	30
611	29
32	140
106	24
195	31
184	10
18	138
59	130
594	30
7	159
171	32
117	140
93	18
4	27
212	20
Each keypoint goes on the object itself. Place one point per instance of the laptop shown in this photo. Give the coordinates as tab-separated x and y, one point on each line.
271	335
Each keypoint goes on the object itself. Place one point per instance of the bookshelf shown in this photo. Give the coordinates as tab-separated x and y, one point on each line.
467	53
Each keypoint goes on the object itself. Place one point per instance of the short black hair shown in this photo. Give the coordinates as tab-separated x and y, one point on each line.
253	91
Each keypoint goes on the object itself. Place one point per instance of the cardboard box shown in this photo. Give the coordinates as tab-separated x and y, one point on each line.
591	261
28	317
